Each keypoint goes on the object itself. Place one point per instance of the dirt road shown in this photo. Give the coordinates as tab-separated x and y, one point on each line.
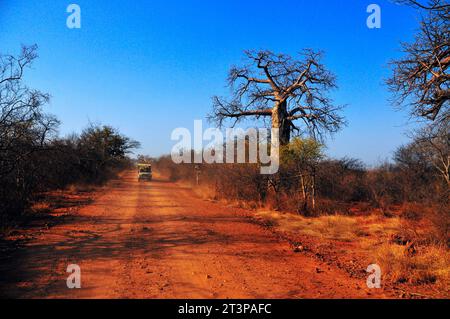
157	240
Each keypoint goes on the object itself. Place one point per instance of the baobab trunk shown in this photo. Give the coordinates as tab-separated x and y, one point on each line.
280	122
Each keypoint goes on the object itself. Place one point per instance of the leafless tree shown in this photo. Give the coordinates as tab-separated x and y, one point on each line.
33	159
434	145
420	80
23	126
284	90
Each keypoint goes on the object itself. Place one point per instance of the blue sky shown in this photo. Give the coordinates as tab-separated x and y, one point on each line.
147	67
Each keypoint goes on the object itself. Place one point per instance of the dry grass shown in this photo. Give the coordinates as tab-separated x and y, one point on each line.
372	234
333	227
209	193
431	264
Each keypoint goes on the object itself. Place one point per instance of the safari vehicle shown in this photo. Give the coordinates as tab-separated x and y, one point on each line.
144	172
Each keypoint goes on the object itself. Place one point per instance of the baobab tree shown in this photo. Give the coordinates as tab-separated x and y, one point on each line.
284	90
420	79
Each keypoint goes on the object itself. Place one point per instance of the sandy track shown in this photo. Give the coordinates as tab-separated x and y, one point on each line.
157	240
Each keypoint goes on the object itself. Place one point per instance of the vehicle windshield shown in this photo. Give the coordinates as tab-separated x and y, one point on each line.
145	169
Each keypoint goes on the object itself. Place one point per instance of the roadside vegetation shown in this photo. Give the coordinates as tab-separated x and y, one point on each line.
34	159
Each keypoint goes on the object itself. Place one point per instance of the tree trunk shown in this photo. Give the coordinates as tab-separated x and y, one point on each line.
303	187
305	199
280	121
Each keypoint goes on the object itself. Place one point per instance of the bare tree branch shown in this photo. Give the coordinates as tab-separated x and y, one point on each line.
283	88
420	80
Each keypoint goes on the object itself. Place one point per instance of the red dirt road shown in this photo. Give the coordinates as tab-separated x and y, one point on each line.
157	240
